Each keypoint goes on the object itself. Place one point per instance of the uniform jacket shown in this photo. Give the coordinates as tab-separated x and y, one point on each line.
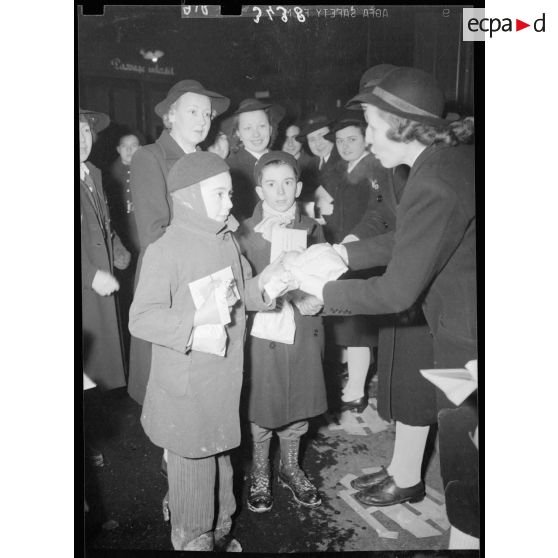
191	405
152	202
434	256
244	198
121	205
286	381
102	351
364	190
382	203
153	210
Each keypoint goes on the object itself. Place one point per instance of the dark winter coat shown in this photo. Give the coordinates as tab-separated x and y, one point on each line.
153	210
102	349
244	198
286	381
121	205
191	405
366	191
433	259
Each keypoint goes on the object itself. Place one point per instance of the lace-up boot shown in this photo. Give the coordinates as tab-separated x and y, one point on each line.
293	477
259	498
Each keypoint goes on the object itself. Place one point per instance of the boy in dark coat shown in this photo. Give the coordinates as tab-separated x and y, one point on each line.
287	384
191	406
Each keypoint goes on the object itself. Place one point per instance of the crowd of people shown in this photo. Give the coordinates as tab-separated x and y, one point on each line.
244	250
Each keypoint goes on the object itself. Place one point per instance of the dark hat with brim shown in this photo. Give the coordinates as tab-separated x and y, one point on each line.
219	103
345	119
312	124
276	112
98	121
272	156
409	93
369	80
192	168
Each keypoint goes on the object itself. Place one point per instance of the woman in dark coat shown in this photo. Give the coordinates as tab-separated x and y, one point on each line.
186	111
433	257
359	185
101	251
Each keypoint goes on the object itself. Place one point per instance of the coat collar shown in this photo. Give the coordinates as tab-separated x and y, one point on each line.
257	215
428	152
171	149
186	218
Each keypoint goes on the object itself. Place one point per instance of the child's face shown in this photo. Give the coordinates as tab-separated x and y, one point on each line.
292	145
318	144
279	187
216	194
127	147
350	143
254	130
85	141
191	118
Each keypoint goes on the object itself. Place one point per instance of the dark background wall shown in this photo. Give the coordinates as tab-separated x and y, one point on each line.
305	67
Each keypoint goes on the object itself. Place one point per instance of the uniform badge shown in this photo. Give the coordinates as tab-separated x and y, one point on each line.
375	185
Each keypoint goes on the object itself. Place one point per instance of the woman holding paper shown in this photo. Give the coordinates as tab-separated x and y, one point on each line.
432	258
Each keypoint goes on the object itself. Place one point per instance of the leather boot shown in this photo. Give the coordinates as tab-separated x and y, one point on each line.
293	477
259	498
203	543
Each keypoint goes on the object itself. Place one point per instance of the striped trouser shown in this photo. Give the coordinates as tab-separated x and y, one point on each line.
192	485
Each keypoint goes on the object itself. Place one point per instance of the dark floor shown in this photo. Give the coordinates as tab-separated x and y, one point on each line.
125	495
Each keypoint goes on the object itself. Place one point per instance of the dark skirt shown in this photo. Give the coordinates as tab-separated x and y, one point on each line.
354	331
405	346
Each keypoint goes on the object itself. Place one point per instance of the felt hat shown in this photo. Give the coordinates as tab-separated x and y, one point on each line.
274	156
98	121
312	124
276	112
409	93
346	118
192	168
219	103
369	80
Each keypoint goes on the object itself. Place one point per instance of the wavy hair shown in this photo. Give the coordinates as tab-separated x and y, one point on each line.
236	143
405	130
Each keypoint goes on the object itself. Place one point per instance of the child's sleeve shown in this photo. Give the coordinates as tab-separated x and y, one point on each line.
254	299
156	315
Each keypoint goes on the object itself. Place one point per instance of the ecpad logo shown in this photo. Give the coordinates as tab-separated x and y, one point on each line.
476	24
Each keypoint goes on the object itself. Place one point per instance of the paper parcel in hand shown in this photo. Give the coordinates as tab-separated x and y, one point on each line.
456	383
320	261
212	338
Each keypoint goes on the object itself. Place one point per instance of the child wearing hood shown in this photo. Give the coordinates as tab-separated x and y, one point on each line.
191	407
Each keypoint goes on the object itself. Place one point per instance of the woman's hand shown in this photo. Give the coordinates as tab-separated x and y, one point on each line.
104	284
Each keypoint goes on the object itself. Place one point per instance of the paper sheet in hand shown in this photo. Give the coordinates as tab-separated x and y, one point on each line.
201	288
456	383
285	240
324	201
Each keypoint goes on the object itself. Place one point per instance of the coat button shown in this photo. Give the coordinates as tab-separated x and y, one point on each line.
316	333
379	198
272	345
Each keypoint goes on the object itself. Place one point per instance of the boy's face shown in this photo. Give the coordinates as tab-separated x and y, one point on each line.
216	194
318	144
292	145
127	147
279	187
350	143
254	130
191	118
85	141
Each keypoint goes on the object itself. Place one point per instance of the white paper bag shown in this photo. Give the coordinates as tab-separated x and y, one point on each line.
275	325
